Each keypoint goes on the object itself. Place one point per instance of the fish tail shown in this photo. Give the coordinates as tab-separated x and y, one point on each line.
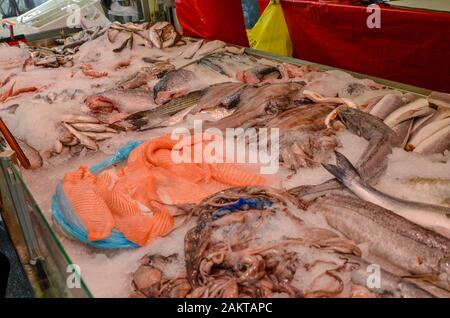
343	170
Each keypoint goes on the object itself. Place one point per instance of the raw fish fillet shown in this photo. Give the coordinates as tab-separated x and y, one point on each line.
135	195
80	189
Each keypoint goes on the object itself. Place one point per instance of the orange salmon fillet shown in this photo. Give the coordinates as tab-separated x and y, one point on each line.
80	189
134	196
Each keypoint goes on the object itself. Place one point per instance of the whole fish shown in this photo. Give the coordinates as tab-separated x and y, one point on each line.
211	65
436	143
227	95
390	236
258	74
92	127
84	140
428	131
210	47
190	51
417	108
390	284
427	215
388	104
152	118
79	119
373	162
172	84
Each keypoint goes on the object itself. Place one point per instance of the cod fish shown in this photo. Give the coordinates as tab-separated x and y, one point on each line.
427	215
417	108
373	162
173	84
436	143
390	236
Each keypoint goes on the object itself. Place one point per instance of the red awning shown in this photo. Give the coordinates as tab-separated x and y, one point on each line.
412	46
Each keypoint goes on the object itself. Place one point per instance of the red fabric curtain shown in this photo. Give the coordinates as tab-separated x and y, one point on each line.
213	20
412	46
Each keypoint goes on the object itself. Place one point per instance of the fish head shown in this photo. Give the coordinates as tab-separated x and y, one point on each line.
351	118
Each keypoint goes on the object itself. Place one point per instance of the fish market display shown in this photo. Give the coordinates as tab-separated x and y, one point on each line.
220	228
238	249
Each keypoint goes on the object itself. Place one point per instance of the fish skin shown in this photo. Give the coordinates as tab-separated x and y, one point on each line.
436	186
173	83
121	98
428	130
436	143
417	108
84	140
151	118
71	119
440	99
258	104
390	284
438	217
392	237
192	49
225	95
403	131
89	127
381	140
372	163
386	106
258	74
210	47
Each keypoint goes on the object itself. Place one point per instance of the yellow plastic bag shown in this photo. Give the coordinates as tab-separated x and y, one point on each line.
270	33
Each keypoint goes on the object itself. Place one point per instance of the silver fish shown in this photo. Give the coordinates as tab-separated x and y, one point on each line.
79	119
192	49
436	143
428	131
92	127
418	108
373	162
84	140
436	186
428	215
391	237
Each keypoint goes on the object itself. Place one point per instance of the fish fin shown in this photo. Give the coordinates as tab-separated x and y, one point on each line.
343	170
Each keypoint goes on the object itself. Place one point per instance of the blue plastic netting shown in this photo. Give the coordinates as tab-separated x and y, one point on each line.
69	221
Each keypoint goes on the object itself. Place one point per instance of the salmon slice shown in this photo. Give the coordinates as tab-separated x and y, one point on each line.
140	229
121	203
135	197
231	174
81	191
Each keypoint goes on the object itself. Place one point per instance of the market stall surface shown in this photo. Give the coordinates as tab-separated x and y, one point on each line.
82	110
